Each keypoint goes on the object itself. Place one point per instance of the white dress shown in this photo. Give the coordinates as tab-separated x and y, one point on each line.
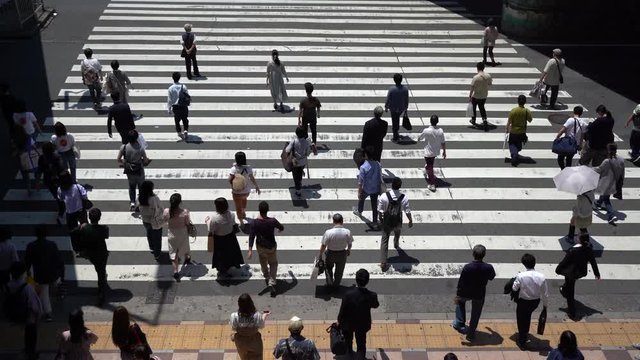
276	75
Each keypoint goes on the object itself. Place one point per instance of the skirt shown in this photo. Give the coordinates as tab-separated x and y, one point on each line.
226	252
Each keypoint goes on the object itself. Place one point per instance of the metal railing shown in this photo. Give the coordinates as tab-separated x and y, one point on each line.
14	14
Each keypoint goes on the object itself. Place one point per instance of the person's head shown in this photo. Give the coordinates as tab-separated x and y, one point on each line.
275	55
434	120
308	88
48	149
88	53
301	133
578	110
522	100
241	158
450	356
491	22
368	151
175	76
20	106
41	232
221	204
636	111
5	233
557	53
295	325
65	180
378	111
18	270
174	204
479	251
59	129
115	96
145	192
263	208
612	149
76	325
396	183
568	343
115	64
397	78
337	219
362	277
480	66
528	260
141	353
187	27
245	305
132	136
602	111
120	326
95	215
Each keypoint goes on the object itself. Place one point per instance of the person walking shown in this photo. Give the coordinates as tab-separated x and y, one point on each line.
299	149
246	324
574	127
50	167
74	196
24	118
472	285
133	159
75	343
598	134
296	346
189	51
634	139
178	222
374	132
433	137
369	185
567	348
573	267
48	267
120	113
491	34
222	239
611	172
91	71
262	231
532	287
275	82
398	102
29	310
127	335
552	77
391	205
336	247
8	256
178	106
27	154
65	143
478	94
239	177
118	82
354	317
517	129
152	215
582	215
309	114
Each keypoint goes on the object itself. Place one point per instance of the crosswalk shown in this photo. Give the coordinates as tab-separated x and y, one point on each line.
350	50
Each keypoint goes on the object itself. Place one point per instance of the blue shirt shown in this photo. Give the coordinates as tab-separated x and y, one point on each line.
369	177
301	348
397	99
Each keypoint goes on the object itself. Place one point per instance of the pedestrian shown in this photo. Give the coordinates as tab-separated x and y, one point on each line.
472	285
369	185
391	205
433	137
263	228
50	167
91	71
24	118
189	51
75	343
120	113
309	114
552	77
48	267
178	223
275	82
296	346
92	238
598	134
177	105
516	129
374	132
478	94
152	214
74	196
567	348
354	317
65	144
634	139
574	127
398	102
336	247
222	239
24	306
127	335
299	149
491	34
118	82
611	172
582	215
133	159
27	154
573	267
532	287
246	324
8	256
239	177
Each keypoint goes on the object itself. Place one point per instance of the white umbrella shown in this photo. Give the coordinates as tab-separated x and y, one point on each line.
576	179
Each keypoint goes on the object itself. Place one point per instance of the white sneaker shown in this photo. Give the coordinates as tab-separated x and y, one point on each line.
431	187
132	206
185	134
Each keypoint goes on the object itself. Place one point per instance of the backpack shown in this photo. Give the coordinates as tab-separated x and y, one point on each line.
392	217
239	181
16	309
184	99
89	76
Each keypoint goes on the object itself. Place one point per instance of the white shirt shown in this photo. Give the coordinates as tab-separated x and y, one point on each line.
337	238
491	34
255	321
174	94
27	120
301	149
569	125
433	139
245	171
553	70
63	143
532	286
383	201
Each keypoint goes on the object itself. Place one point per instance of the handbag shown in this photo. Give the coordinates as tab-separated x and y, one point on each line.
191	229
406	123
536	90
337	342
141	338
542	321
287	158
566	145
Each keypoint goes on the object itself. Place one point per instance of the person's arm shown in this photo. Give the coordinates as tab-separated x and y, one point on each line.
323	247
543	75
109	122
407	210
406	99
126	79
349	244
422	135
255	183
169	100
516	284
279	226
121	154
472	89
361	175
232	175
509	120
374	300
58	261
562	130
252	238
410	219
193	44
318	109
544	293
594	265
388	101
268	73
629	120
300	114
444	150
284	72
145	158
343	311
35	123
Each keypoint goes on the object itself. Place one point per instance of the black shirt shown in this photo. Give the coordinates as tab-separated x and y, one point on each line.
600	133
121	113
374	132
92	238
308	106
474	278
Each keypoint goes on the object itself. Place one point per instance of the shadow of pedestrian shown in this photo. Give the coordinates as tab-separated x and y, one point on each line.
193	139
237	276
542	346
326	293
485	338
598	248
194	270
402	263
582	311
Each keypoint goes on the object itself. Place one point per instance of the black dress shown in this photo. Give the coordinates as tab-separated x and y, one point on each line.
226	251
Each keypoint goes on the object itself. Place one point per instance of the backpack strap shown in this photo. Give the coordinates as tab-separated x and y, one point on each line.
389	197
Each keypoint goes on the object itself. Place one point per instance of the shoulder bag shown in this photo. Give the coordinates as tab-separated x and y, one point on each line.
86	203
184	99
559	72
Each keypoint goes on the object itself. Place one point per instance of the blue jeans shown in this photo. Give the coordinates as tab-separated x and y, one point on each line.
476	311
606	201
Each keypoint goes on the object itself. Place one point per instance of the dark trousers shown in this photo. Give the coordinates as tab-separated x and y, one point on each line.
181	113
480	104
53	189
361	342
314	130
565	161
75	219
554	93
95	91
569	292
484	53
515	145
593	157
339	259
187	61
99	262
30	339
154	237
123	138
476	311
374	205
395	124
297	176
524	309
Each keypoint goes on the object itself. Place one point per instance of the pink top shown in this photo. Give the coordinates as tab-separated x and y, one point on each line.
179	220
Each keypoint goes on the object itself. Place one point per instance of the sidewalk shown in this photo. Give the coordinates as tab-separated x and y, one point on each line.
387	340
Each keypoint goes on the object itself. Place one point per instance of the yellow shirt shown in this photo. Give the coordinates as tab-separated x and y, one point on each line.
518	117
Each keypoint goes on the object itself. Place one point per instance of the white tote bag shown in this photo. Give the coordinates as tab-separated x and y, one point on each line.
469	110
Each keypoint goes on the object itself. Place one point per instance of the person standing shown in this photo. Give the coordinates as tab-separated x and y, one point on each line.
634	139
222	239
573	267
354	317
573	128
246	324
309	114
532	287
152	215
27	120
517	129
91	71
369	183
336	247
64	143
300	149
8	256
472	285
178	221
189	51
177	106
391	205
567	348
478	94
296	346
262	231
582	216
552	77
398	102
374	132
73	195
239	177
491	34
27	152
120	113
433	137
50	167
598	134
133	158
611	172
275	82
75	343
29	301
117	81
127	335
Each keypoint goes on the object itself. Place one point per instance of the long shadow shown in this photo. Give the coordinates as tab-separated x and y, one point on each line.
327	293
307	192
582	311
485	338
402	263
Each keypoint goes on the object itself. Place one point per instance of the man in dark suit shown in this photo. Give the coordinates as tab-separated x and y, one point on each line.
374	132
120	112
574	267
355	313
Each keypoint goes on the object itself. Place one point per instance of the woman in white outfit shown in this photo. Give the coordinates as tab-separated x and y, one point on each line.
178	221
491	34
611	171
275	82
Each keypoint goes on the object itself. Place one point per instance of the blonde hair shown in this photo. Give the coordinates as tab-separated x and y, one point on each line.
295	325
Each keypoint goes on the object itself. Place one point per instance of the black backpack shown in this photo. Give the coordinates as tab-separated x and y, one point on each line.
184	99
16	308
392	217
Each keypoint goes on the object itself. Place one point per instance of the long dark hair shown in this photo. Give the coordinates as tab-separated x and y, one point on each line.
145	192
174	204
568	345
245	305
120	326
222	205
275	56
60	129
76	326
601	109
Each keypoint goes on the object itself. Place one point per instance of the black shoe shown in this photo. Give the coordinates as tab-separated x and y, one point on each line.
275	106
272	291
281	108
189	77
473	122
514	162
562	292
197	74
485	124
187	260
176	276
